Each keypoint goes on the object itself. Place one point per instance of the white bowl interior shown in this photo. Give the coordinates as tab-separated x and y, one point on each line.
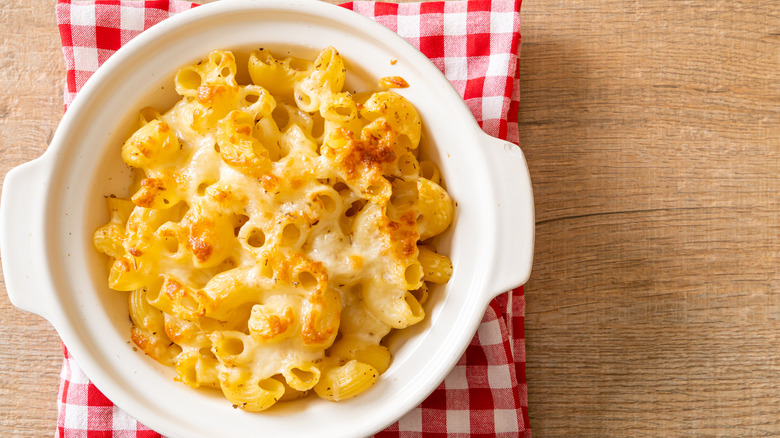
87	149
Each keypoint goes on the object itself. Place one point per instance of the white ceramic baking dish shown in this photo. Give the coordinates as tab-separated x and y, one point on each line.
51	206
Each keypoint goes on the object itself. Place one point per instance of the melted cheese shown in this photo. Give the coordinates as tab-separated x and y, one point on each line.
265	247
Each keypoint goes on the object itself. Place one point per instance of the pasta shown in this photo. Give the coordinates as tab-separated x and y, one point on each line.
278	230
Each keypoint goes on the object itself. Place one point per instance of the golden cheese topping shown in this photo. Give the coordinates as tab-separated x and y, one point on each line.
278	230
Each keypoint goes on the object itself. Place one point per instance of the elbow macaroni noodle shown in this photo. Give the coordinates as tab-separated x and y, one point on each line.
274	236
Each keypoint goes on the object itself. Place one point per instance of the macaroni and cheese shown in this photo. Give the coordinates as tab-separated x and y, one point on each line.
277	231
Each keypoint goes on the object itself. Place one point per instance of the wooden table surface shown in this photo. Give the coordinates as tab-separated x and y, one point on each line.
652	132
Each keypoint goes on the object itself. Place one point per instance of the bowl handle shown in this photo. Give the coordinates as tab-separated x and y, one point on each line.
514	215
22	218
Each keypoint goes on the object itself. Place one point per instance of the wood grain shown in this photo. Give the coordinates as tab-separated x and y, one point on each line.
652	131
31	105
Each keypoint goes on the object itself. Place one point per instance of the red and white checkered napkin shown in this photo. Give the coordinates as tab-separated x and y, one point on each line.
476	44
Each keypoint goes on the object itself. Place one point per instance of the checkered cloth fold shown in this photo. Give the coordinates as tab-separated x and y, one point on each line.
476	44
